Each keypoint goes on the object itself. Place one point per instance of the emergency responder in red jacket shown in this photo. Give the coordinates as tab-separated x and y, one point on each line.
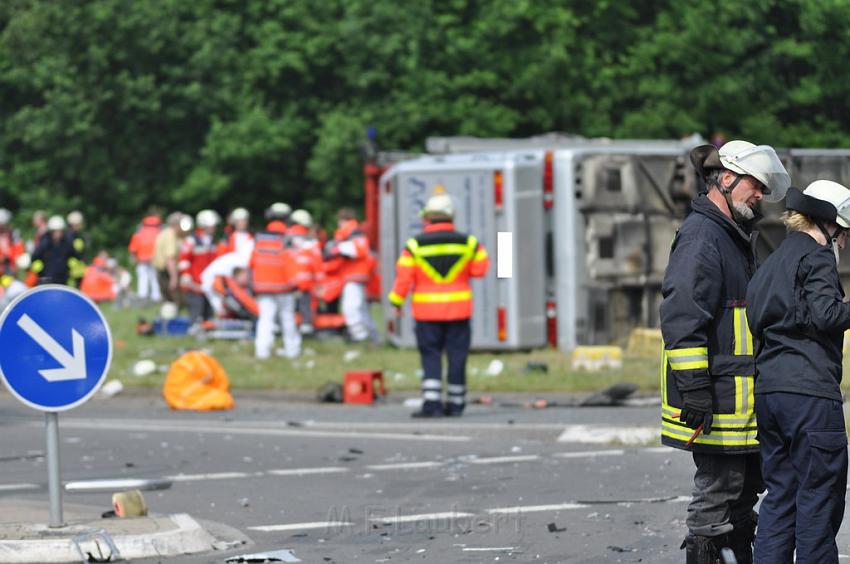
437	265
273	268
196	254
141	248
11	244
348	258
239	239
308	255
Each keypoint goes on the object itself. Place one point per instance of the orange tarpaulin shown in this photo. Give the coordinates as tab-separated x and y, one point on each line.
197	381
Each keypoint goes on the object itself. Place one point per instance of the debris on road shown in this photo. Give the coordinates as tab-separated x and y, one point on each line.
283	555
129	504
330	392
111	388
610	396
554	528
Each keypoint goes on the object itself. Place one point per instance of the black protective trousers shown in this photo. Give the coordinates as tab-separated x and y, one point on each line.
804	459
433	338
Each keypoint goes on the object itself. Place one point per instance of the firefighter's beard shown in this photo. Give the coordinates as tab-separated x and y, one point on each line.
743	211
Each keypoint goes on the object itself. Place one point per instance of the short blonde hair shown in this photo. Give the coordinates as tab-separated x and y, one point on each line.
796	221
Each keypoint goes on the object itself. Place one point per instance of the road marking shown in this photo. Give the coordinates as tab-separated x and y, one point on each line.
213	476
503	459
423	517
658	450
120	425
299	526
535	508
600	434
504	254
590	453
405	465
495	549
18	487
307	471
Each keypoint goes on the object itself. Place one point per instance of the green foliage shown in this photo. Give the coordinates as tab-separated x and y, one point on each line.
111	106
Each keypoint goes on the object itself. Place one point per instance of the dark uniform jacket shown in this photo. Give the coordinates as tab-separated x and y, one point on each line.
707	343
52	260
797	313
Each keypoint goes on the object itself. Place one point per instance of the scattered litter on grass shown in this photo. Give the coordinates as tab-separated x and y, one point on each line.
144	368
535	366
350	355
495	368
111	388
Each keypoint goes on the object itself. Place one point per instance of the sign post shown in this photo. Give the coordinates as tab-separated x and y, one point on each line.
55	352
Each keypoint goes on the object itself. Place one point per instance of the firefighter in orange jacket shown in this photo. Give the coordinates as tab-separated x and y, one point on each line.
273	267
308	255
141	247
349	259
437	264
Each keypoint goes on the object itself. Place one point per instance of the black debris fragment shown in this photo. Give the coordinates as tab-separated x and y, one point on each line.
553	528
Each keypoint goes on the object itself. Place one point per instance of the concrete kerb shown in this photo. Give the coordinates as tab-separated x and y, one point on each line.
137	538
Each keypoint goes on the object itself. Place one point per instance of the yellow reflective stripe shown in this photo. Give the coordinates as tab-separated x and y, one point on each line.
743	337
715	438
729	419
693	358
663	375
441	297
693	351
395	299
481	254
406	261
446	249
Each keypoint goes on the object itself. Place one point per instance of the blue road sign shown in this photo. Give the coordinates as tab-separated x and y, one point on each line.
55	348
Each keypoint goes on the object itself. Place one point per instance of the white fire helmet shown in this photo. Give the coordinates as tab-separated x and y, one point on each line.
239	214
759	161
5	216
302	217
75	218
56	223
278	210
207	218
439	205
834	193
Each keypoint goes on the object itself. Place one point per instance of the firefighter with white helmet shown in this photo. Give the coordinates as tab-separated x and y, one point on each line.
239	239
277	217
797	312
436	266
707	381
55	254
308	256
196	254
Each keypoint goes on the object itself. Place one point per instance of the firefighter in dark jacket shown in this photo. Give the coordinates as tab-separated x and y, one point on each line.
797	313
707	365
55	255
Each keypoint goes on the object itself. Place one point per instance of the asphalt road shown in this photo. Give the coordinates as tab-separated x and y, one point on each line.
369	484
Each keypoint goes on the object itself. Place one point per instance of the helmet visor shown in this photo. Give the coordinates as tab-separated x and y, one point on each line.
842	218
762	163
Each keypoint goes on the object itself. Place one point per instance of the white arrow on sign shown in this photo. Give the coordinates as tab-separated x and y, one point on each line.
73	366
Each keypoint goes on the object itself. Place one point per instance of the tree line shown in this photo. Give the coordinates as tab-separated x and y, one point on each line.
110	106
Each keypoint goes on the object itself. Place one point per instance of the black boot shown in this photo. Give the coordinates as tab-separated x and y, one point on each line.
704	550
741	543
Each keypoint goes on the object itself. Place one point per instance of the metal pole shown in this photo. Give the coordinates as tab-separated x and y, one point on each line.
53	481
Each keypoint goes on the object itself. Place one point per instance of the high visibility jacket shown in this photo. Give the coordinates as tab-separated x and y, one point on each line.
277	226
52	260
273	264
11	246
308	256
707	342
143	240
98	284
238	300
351	248
236	242
437	264
196	254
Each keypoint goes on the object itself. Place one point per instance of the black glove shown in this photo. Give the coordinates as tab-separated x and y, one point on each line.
696	409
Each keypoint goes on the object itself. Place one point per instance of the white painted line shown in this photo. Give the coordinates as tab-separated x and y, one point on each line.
423	517
597	434
300	526
195	427
503	459
18	487
589	453
405	466
495	549
504	254
117	484
535	508
214	476
658	450
307	471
